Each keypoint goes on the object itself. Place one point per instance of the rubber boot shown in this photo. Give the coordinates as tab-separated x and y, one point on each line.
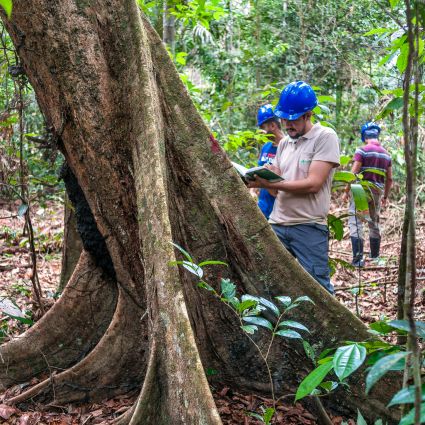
357	245
375	244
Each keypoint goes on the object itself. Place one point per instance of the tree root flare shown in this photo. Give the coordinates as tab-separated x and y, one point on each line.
69	330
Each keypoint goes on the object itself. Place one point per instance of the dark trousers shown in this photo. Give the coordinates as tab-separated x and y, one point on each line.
309	244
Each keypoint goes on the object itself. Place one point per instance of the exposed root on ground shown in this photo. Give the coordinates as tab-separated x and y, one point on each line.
115	366
69	330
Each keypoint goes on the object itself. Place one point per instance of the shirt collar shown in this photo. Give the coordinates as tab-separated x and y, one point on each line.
373	142
312	132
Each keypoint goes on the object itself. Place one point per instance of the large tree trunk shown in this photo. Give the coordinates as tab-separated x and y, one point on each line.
152	174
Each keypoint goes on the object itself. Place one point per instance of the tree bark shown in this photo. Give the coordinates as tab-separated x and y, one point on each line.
152	174
72	245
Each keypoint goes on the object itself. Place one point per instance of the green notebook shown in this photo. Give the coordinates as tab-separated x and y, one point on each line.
263	172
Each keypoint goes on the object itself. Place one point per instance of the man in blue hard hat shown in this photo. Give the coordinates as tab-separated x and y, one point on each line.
306	159
270	124
371	156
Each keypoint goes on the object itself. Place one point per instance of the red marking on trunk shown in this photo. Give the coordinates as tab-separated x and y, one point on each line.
215	146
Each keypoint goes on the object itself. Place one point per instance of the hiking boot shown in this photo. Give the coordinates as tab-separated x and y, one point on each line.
357	245
375	245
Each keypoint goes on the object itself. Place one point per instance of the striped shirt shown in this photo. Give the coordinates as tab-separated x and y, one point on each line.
373	156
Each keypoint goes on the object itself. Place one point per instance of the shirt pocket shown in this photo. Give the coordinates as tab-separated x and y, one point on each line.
305	162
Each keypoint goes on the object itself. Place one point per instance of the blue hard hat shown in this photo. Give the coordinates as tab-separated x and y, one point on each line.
264	114
295	100
370	130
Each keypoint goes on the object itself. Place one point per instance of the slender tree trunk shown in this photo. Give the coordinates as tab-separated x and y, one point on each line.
152	174
410	128
169	27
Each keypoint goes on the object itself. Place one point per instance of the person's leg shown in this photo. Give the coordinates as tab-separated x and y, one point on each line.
356	234
310	244
374	231
282	234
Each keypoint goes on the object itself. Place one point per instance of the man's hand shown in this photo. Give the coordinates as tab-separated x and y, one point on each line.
384	202
258	183
273	168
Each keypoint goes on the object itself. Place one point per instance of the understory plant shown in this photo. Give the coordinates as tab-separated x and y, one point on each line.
249	311
335	365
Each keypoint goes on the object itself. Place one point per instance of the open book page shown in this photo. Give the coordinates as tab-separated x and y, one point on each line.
263	172
240	168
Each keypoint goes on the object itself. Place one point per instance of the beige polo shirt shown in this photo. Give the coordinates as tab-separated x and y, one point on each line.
294	157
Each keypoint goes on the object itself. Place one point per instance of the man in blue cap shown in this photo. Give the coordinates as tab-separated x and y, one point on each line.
270	124
306	159
368	158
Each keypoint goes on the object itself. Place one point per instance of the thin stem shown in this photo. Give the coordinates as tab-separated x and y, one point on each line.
260	352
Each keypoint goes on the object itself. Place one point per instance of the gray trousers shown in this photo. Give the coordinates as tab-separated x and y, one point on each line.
355	222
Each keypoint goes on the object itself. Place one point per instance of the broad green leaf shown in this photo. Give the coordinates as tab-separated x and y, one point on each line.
325	360
404	326
394	104
344	176
304	298
228	289
288	333
24	320
382	327
312	380
193	268
204	285
403	58
374	171
409	419
22	210
181	58
268	415
360	418
385	59
336	226
293	324
260	321
309	351
269	305
347	359
329	385
185	253
359	196
249	329
406	396
394	3
244	305
378	31
344	159
286	301
381	367
212	262
7	6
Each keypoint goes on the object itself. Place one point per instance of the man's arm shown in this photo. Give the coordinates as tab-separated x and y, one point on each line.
317	175
388	184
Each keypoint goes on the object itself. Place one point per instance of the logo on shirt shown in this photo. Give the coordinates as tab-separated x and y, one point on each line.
305	161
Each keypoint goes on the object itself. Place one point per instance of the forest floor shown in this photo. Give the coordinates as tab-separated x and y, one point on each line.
370	292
